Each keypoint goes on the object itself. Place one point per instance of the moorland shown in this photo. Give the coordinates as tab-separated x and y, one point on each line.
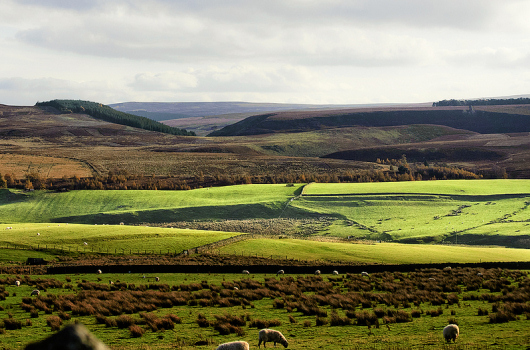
321	187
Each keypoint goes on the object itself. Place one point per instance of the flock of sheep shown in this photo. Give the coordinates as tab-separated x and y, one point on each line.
265	335
450	332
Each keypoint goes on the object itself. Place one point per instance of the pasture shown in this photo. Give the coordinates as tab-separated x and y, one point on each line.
375	253
106	239
187	311
113	207
460	211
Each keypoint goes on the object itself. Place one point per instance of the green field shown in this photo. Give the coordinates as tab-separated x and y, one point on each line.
473	212
376	253
110	239
113	207
477	211
290	301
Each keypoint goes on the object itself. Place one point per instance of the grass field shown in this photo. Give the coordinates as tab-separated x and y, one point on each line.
113	207
112	239
479	211
311	311
386	253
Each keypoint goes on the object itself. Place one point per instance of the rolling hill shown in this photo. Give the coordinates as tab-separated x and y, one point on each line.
480	120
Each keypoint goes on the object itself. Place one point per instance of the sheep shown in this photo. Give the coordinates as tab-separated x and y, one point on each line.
99	272
271	335
157	279
85	243
479	274
364	273
234	345
451	332
38	233
447	268
280	272
335	272
17	283
317	272
235	288
245	272
35	292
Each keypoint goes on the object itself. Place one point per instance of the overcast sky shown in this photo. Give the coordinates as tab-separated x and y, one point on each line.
293	51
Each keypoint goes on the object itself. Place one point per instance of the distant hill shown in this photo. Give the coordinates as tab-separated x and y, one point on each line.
205	117
483	119
103	112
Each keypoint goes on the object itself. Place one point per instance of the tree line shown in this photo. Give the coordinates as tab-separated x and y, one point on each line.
483	102
399	170
106	113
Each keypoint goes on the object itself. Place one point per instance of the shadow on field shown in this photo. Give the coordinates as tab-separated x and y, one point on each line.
228	212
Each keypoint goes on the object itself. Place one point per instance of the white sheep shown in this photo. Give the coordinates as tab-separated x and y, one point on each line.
364	273
38	233
335	272
317	272
280	272
17	283
157	279
85	243
451	332
271	335
245	272
234	345
447	268
99	272
35	292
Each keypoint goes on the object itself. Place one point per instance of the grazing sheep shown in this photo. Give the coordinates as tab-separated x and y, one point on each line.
245	272
479	274
38	233
85	243
235	288
451	332
234	345
335	272
157	279
35	292
280	272
271	335
17	283
110	282
447	268
99	272
364	273
317	272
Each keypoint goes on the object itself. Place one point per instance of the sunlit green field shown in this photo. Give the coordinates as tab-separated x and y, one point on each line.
106	238
113	207
423	211
387	253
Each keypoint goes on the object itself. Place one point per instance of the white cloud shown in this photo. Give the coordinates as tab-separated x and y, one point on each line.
336	50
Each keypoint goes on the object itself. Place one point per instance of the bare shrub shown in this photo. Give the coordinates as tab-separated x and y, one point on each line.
12	324
136	331
54	322
124	321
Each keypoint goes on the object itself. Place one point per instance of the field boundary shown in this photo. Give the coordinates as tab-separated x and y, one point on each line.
273	268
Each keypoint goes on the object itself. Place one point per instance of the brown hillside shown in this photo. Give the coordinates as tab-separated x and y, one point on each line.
34	140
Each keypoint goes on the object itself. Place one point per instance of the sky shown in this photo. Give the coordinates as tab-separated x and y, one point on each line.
284	51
